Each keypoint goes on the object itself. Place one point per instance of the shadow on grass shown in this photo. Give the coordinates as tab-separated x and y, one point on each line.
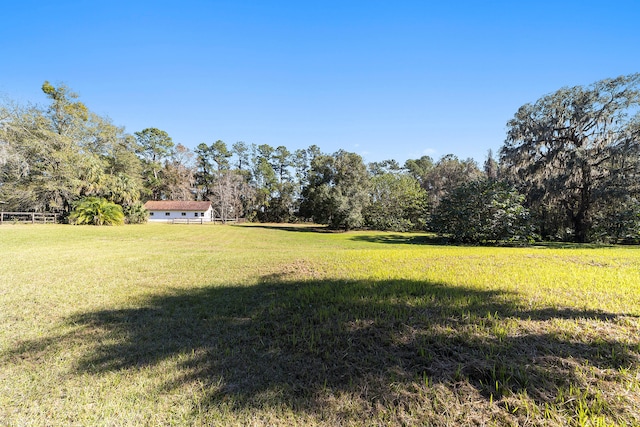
434	239
429	239
409	239
372	238
297	228
398	239
290	343
571	245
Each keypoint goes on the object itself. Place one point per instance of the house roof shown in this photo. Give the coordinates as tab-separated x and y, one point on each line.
176	205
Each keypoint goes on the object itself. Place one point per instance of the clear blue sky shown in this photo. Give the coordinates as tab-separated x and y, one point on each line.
386	79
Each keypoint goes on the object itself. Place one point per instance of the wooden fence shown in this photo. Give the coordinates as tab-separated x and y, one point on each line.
204	221
28	217
187	221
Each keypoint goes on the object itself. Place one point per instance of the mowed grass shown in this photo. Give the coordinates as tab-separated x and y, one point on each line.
268	325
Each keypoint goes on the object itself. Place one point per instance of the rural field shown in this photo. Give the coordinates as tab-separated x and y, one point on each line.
288	325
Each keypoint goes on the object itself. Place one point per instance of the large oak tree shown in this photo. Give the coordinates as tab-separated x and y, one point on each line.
576	151
337	192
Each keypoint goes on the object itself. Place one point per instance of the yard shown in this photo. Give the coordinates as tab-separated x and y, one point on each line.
165	324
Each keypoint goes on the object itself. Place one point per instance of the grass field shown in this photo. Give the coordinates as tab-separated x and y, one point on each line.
266	325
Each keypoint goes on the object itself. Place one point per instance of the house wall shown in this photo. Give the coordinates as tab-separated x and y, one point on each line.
162	215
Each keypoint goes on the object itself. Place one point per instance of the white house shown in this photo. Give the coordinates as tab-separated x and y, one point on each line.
170	210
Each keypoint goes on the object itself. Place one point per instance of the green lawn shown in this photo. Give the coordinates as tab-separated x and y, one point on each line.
263	325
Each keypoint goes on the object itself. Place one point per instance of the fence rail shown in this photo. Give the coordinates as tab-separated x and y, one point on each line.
28	217
187	221
204	220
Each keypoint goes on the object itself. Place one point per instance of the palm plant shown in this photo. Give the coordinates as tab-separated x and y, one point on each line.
96	211
136	214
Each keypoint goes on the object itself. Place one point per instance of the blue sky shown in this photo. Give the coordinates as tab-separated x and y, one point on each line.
386	79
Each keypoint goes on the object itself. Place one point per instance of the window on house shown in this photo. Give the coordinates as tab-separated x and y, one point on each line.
150	213
184	214
167	213
195	214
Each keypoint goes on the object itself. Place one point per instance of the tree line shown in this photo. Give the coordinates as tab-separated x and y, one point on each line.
568	170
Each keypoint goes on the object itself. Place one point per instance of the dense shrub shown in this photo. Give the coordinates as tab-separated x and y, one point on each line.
483	211
397	203
337	192
135	214
617	222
